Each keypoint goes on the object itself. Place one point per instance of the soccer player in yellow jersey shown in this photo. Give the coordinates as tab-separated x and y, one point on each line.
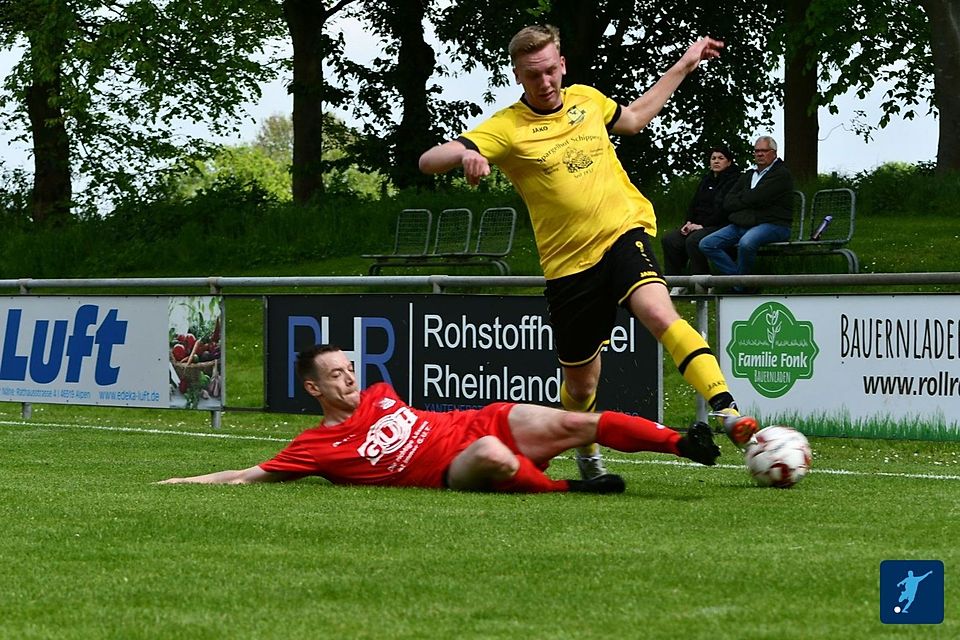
593	227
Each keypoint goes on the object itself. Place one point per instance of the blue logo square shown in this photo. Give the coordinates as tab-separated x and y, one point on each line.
911	592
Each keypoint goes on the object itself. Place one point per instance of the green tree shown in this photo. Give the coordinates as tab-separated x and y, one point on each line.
243	165
275	138
101	84
401	110
944	19
415	63
912	47
41	84
399	77
313	47
828	47
801	128
266	163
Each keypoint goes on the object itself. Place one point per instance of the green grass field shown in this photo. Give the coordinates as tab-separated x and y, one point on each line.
93	549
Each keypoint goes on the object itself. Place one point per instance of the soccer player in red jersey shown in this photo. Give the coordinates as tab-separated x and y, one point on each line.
374	438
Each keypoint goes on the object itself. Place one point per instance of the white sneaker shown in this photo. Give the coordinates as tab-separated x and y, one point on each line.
590	466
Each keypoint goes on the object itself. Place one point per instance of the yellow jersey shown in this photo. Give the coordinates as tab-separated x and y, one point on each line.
568	174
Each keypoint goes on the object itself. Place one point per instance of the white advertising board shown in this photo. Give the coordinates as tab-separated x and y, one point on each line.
103	350
881	365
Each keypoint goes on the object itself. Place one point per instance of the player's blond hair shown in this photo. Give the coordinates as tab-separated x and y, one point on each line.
531	39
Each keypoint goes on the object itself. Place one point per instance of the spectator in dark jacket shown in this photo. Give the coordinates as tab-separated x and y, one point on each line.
704	216
759	208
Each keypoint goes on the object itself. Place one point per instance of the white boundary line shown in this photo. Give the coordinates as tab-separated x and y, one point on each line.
162	432
835	472
674	463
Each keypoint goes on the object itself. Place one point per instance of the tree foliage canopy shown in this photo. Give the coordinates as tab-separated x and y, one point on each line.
860	45
130	72
265	165
112	81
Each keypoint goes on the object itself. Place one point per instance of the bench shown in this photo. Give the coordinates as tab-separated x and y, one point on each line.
453	234
840	204
451	245
411	239
498	226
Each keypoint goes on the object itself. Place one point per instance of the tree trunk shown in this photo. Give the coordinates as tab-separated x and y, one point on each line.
801	128
415	64
305	20
944	17
581	24
50	199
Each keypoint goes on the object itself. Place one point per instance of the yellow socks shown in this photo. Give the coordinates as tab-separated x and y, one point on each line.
570	404
694	359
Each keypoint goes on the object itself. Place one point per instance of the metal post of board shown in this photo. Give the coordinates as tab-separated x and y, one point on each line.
703	326
216	417
26	408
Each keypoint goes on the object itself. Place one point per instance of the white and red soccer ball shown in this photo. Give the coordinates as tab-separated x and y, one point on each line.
780	457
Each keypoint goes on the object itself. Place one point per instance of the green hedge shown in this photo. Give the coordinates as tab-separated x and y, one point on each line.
239	228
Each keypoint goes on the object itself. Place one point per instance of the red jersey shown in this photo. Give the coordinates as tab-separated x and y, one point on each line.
387	442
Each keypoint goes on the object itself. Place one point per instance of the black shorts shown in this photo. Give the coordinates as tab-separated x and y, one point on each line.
583	306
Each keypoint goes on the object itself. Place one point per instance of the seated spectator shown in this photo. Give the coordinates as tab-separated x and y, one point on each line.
704	216
759	207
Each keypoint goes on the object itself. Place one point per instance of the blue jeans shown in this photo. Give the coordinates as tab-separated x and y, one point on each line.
746	239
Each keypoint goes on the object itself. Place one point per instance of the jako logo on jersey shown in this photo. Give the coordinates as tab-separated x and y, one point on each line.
388	434
50	344
539	129
386	403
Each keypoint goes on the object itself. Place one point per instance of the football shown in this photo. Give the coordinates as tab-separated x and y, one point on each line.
780	457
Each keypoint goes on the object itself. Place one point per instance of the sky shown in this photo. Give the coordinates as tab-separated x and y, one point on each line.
841	150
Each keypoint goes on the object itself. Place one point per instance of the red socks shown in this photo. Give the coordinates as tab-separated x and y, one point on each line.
633	433
615	430
529	479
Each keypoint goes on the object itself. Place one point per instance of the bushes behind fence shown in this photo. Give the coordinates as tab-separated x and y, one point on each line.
237	228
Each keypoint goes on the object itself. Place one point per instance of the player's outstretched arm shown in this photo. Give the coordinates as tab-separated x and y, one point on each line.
451	155
241	476
641	111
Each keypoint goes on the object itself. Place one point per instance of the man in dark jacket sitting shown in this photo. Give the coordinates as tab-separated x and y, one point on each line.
760	210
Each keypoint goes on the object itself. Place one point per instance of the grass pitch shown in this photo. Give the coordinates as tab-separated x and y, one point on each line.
92	549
